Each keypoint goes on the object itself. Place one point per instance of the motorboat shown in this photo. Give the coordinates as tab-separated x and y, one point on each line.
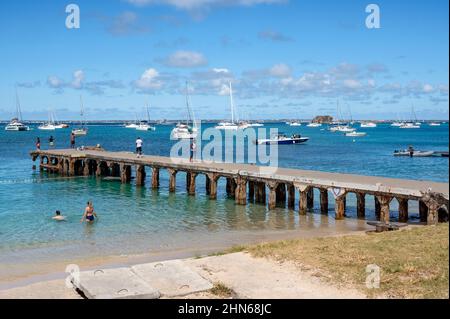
397	124
16	125
368	124
256	124
131	125
144	126
47	127
314	124
295	123
282	139
435	124
413	153
356	134
409	126
79	131
342	128
183	131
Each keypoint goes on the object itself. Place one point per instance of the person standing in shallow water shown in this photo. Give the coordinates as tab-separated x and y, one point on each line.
89	213
72	140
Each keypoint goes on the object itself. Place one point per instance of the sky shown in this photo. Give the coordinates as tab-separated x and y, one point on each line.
284	58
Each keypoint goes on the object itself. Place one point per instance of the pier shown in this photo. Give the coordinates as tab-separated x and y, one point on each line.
258	184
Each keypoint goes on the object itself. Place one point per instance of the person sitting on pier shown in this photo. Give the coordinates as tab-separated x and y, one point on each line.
58	216
89	213
139	143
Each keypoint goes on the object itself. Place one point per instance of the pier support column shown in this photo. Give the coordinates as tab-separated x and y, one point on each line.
261	192
291	196
360	205
192	178
212	185
207	185
86	164
433	207
61	166
241	191
172	180
155	177
272	195
303	198
281	194
98	171
310	198
231	187
251	191
125	173
324	201
140	175
402	210
71	167
423	211
339	207
377	208
384	207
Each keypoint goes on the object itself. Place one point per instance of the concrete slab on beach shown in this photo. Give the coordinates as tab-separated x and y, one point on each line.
173	278
118	283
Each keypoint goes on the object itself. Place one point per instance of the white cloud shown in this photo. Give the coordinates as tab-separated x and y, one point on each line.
427	88
185	59
55	82
78	78
149	80
352	84
280	70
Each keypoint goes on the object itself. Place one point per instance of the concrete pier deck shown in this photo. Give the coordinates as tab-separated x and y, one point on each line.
250	182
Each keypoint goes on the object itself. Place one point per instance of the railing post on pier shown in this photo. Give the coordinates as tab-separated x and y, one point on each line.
360	204
310	198
172	179
291	196
140	175
272	194
212	177
192	183
402	210
324	201
384	201
241	190
155	177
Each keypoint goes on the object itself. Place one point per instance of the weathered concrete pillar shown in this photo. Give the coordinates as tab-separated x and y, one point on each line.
98	171
360	205
261	192
251	191
86	167
432	212
192	183
384	201
402	210
207	185
213	185
140	175
281	194
71	167
423	211
172	180
377	208
61	166
324	201
291	196
231	187
272	194
310	198
155	177
125	173
303	198
339	206
241	191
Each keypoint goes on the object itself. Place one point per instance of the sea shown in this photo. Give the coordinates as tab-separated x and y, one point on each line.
139	220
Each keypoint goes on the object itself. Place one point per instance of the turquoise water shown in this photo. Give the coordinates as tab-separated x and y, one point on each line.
137	220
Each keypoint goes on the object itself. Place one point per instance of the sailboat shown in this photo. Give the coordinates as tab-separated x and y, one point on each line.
186	130
16	123
81	131
413	124
339	127
145	125
132	125
231	125
50	125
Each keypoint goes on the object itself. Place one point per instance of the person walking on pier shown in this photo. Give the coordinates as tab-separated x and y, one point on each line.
139	143
38	143
72	140
51	141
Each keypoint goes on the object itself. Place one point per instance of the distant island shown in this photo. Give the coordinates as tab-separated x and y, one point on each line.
323	119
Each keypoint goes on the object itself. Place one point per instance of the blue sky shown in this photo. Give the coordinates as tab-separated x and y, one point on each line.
286	59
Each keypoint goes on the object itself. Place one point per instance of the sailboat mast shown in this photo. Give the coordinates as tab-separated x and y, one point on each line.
231	104
18	111
81	110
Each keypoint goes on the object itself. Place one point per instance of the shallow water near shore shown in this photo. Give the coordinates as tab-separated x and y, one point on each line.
140	220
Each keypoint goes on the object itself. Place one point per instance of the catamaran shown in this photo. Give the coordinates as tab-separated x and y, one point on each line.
189	129
145	125
16	122
81	131
231	125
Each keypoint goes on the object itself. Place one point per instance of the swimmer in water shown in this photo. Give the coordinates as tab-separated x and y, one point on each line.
58	216
89	214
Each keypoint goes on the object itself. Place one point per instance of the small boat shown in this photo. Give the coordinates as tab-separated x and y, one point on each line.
356	134
314	124
231	125
342	128
81	131
397	124
188	130
16	124
131	125
47	127
282	139
409	126
61	125
256	124
414	153
368	125
144	125
435	124
295	123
